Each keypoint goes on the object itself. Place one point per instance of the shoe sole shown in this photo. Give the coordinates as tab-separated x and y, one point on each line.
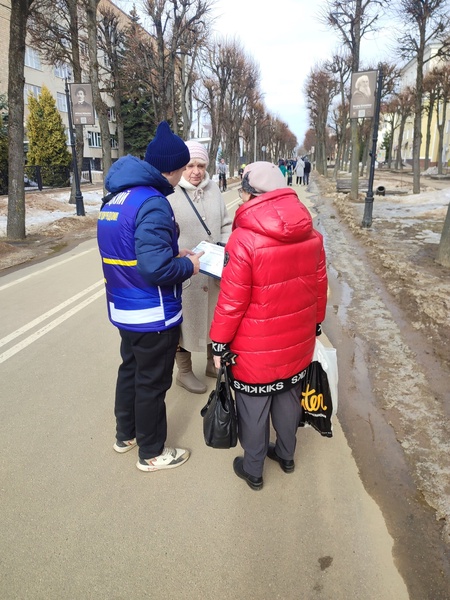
254	486
123	449
149	468
283	468
178	382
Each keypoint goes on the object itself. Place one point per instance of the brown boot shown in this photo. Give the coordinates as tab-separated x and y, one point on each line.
185	377
211	370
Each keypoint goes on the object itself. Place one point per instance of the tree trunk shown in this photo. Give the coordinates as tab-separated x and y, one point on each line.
399	160
417	131
100	106
428	135
15	227
76	66
443	254
355	161
119	124
440	128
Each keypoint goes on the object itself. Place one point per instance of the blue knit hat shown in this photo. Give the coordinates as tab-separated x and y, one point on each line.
167	152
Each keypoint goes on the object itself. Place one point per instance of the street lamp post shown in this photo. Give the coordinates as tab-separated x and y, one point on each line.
368	206
78	195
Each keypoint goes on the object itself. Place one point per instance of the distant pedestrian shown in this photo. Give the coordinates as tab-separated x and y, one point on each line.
299	170
289	173
222	172
307	170
283	168
143	270
268	313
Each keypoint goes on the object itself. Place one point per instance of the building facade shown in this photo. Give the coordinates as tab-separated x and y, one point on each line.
408	79
38	74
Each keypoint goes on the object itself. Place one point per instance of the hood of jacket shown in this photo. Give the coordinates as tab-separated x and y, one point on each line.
129	172
278	214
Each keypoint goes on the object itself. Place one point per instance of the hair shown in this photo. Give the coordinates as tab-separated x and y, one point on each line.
247	187
358	81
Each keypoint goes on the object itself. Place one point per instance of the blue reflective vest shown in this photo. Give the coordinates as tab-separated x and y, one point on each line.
133	303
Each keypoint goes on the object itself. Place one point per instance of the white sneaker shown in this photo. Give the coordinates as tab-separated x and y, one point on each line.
169	459
124	446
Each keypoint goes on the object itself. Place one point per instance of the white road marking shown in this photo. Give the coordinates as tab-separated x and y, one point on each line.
48	314
41	332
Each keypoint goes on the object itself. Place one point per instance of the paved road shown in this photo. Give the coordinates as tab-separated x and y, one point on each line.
79	521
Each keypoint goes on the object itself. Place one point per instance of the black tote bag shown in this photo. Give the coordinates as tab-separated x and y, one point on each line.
219	414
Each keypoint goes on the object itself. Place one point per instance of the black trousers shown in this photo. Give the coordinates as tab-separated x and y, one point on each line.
143	379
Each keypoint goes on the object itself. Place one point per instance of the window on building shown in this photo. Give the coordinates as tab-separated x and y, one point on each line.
114	144
84	49
28	89
32	59
94	139
62	71
61	102
111	113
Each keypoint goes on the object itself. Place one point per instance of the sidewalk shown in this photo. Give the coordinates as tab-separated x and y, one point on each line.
80	521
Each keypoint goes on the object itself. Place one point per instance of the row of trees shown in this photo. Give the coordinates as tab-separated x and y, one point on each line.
150	77
419	24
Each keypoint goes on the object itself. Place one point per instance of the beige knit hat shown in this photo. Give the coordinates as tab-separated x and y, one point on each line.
261	177
198	151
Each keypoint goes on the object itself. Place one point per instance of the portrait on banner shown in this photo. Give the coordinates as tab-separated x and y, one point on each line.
362	102
82	108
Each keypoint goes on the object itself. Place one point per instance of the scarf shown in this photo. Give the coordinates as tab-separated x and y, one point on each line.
196	193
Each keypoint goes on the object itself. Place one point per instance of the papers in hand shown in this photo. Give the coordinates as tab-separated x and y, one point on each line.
211	263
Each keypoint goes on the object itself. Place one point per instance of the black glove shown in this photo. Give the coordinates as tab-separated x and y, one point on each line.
319	329
223	350
228	357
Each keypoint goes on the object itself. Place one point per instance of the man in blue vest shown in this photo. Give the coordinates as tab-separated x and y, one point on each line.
144	269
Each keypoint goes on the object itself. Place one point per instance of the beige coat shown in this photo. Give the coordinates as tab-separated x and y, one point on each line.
200	293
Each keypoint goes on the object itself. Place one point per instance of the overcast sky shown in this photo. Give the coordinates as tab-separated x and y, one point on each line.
286	39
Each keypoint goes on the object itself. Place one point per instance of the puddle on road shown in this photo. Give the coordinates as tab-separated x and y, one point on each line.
345	296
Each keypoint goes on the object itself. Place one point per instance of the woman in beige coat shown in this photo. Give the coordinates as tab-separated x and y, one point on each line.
200	293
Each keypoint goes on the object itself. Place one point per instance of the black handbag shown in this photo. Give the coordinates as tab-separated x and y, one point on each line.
219	414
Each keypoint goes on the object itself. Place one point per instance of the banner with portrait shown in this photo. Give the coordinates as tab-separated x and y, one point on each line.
362	102
82	107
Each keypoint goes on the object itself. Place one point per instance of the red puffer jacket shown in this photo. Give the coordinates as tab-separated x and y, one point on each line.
273	292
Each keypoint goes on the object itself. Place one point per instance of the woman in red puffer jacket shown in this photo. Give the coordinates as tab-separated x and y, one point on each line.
272	297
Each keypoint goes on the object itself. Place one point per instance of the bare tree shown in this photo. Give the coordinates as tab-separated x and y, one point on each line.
340	65
428	103
443	254
229	94
320	88
55	30
15	227
111	41
403	108
353	19
442	75
176	24
101	108
425	21
244	86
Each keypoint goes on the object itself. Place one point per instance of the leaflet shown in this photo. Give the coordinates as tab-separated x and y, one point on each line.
211	263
